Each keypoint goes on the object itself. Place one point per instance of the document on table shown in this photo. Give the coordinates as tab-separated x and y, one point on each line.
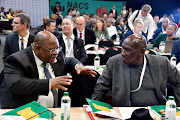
126	112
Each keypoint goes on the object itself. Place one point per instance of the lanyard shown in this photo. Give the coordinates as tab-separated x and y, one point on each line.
142	75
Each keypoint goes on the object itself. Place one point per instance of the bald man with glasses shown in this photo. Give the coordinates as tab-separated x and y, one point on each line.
38	73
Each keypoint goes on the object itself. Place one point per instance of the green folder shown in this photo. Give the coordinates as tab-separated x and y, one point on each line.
29	110
159	108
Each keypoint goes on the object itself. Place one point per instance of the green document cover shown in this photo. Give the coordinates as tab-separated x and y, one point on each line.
160	110
29	110
102	109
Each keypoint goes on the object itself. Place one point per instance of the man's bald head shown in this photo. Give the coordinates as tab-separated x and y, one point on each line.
67	27
138	40
43	37
133	50
81	23
46	46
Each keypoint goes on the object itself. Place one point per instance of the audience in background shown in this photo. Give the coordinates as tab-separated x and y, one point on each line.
124	12
164	17
86	34
156	22
71	45
41	28
147	18
169	35
76	12
57	8
113	11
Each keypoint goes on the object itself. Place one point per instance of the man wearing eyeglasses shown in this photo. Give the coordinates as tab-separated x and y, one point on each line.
71	45
169	35
37	73
21	38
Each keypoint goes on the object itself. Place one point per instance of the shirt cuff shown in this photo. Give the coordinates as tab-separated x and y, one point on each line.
77	65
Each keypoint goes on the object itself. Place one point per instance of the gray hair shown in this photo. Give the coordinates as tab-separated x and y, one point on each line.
25	19
146	8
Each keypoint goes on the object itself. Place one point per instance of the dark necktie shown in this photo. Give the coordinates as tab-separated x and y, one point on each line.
54	91
81	35
22	44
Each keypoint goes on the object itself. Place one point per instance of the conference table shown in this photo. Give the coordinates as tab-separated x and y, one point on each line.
78	113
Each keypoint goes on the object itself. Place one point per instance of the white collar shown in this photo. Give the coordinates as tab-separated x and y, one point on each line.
80	32
65	37
26	37
37	60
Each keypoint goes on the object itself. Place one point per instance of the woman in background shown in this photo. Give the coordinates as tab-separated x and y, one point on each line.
138	24
101	30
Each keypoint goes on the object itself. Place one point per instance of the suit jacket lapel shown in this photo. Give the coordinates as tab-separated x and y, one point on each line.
154	71
75	47
16	43
32	59
127	78
62	44
30	40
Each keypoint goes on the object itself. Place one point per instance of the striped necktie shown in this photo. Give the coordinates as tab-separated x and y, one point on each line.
22	44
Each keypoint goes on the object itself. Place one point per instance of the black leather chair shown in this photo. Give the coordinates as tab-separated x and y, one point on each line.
107	43
111	52
82	87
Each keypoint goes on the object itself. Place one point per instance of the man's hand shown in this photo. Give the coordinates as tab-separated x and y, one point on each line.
57	82
156	49
82	70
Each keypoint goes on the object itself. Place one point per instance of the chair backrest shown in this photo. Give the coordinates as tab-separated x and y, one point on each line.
107	43
82	87
111	52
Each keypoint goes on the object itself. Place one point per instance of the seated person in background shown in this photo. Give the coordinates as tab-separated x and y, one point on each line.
49	25
37	72
86	34
92	23
161	29
71	45
21	38
135	79
138	24
41	28
111	29
169	35
101	30
176	50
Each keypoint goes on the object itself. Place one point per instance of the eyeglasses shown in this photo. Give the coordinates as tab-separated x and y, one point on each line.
170	29
53	50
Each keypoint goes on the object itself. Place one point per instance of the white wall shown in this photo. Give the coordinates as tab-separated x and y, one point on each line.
36	9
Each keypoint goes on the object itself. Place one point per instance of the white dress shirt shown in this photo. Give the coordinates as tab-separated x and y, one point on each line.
47	101
83	35
148	23
111	30
69	52
25	41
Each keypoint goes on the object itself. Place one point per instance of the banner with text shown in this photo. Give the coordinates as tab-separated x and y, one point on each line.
86	6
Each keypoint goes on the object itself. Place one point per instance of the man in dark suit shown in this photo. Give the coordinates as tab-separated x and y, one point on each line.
36	73
84	33
114	12
21	38
162	29
71	45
